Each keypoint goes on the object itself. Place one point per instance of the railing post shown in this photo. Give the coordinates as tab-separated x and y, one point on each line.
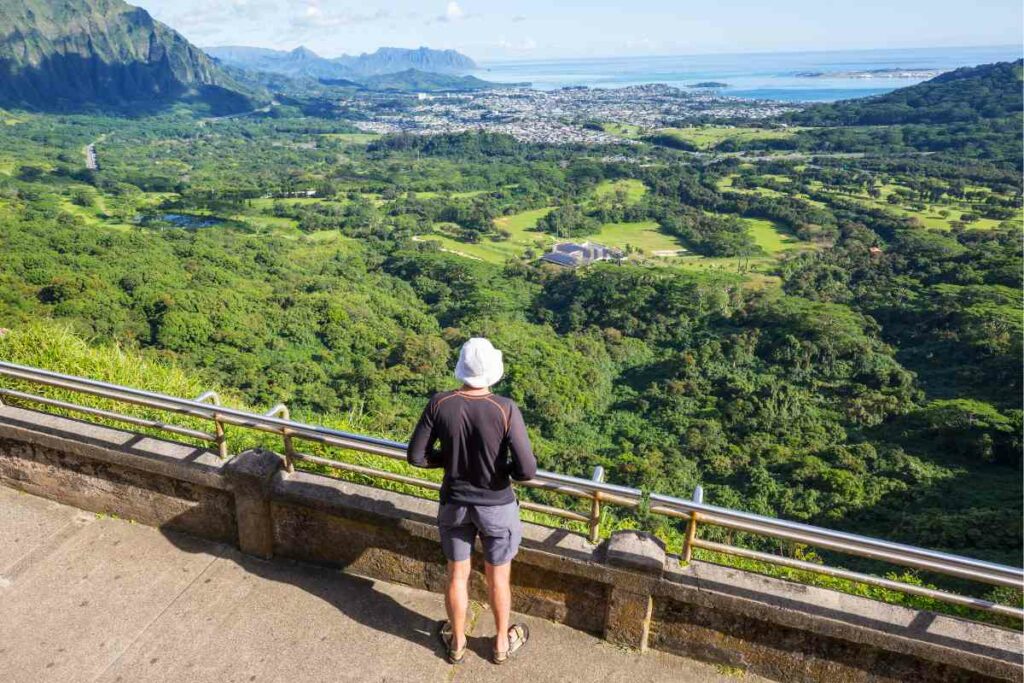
251	475
595	506
630	602
222	441
218	426
289	450
691	528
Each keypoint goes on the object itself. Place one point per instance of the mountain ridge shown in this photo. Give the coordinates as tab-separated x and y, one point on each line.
967	94
303	62
81	54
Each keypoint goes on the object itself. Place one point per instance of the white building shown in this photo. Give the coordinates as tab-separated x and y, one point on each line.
573	255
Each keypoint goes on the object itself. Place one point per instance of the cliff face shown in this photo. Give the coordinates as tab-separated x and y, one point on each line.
73	54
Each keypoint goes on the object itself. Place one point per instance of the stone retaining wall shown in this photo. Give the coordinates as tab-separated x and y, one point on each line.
625	589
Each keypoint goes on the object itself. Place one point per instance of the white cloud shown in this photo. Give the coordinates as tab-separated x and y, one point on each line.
453	12
313	17
212	16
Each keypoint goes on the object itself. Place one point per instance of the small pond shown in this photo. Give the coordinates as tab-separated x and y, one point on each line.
184	220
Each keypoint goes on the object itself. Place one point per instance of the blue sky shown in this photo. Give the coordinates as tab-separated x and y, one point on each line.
525	29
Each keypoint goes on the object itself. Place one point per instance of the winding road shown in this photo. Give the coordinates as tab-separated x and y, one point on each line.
90	157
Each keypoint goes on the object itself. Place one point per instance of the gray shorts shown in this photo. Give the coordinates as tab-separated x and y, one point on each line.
498	525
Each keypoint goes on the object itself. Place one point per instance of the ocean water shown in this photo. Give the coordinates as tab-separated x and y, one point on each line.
759	76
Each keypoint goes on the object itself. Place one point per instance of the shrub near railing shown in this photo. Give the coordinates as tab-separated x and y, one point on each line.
56	348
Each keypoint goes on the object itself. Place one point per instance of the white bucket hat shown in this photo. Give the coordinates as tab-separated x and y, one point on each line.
480	364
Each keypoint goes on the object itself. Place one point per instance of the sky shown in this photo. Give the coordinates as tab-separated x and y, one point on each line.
496	30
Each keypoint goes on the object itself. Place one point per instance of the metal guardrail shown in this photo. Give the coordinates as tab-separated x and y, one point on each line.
696	512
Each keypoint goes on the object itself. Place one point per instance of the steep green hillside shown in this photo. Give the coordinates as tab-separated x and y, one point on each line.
80	54
970	94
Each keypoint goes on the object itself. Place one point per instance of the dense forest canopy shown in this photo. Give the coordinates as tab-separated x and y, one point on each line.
969	94
827	337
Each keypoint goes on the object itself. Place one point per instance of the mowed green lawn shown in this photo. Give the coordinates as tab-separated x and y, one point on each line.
431	194
706	137
522	237
930	217
635	189
771	237
267	203
644	235
627	130
352	139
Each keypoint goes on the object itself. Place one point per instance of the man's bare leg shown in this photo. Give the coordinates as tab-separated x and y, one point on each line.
456	600
500	595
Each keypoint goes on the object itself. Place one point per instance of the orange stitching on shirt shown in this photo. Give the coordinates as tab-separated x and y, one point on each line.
501	410
442	400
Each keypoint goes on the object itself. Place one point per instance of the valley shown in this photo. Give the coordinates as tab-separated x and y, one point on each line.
811	311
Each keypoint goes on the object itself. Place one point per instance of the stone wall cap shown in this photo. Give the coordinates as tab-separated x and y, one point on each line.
636	550
126	449
257	463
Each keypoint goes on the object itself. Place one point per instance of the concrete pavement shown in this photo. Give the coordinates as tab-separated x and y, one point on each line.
89	598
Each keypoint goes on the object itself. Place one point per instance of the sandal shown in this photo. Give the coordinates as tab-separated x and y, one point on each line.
444	632
518	634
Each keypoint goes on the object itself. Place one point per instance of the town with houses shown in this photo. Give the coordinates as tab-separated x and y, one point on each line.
556	116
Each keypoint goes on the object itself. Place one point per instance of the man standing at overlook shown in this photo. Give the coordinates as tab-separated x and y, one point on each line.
480	440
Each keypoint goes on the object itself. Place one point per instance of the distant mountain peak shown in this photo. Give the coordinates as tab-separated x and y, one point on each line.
304	52
303	62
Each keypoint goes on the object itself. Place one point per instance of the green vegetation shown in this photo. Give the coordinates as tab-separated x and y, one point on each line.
630	190
643	236
626	130
425	81
724	138
818	353
770	238
965	95
44	344
88	54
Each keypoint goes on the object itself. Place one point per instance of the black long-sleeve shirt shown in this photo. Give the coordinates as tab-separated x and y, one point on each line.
483	446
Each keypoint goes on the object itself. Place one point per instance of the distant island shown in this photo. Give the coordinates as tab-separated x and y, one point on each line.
872	73
423	81
708	84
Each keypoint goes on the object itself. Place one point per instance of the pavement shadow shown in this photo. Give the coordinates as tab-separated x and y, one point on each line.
353	596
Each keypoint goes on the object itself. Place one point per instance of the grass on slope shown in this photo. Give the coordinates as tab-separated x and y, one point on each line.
707	137
635	189
773	239
643	235
626	130
930	216
351	139
521	237
54	346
